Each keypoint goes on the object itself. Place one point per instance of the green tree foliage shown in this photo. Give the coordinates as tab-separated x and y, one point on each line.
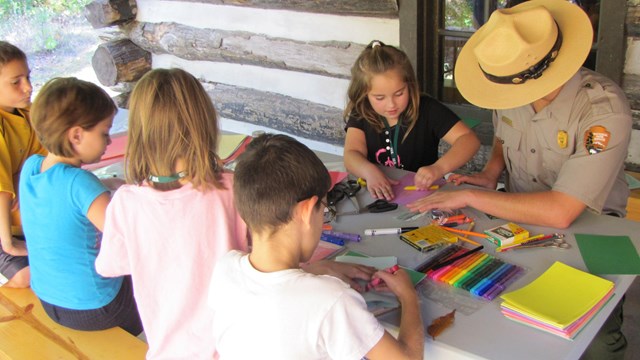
42	19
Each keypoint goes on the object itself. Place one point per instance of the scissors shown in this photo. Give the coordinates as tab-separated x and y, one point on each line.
349	189
557	242
380	206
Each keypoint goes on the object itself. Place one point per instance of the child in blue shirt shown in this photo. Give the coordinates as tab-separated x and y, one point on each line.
63	210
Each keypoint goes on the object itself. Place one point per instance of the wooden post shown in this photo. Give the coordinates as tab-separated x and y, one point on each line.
104	13
120	61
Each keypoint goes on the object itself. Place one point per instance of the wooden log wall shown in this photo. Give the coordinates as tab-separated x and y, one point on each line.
291	77
280	64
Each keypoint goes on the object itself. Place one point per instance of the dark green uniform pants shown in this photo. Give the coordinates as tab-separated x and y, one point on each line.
609	343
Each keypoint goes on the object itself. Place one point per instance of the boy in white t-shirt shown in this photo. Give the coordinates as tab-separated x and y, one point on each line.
264	305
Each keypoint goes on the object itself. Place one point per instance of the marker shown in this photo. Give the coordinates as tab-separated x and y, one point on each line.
414	188
451	261
373	283
445	253
332	239
389	231
343	235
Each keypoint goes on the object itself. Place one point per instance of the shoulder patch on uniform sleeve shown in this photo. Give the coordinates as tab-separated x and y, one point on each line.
596	139
597	93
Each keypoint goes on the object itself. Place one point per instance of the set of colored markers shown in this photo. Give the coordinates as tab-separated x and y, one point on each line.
476	272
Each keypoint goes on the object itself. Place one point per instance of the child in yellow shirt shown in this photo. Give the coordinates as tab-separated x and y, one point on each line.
17	142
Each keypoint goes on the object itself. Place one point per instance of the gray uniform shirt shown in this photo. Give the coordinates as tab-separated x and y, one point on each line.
576	145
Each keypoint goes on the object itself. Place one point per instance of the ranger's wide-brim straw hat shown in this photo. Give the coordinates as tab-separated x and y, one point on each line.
520	55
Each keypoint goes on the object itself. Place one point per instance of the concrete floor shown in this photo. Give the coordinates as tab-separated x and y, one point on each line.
631	323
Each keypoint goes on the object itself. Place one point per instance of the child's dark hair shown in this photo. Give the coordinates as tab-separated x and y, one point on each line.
376	59
272	176
63	103
9	52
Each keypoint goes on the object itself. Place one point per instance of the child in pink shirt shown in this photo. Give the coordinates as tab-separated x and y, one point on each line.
176	217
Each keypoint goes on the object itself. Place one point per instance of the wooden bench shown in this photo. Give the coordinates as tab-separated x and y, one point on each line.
26	332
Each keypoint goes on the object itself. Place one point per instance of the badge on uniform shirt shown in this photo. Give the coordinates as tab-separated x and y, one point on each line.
596	139
507	121
563	139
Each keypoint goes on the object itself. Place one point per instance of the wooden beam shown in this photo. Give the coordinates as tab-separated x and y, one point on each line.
323	58
294	116
412	34
611	39
297	117
373	8
104	13
120	61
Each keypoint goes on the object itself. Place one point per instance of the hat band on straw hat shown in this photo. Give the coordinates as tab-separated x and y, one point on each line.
532	72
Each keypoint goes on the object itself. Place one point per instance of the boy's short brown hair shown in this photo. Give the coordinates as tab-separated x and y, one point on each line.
63	103
272	176
9	52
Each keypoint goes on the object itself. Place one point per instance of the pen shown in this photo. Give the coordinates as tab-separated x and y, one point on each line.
413	187
533	239
451	261
373	283
468	240
467	232
331	239
471	225
389	231
451	224
343	235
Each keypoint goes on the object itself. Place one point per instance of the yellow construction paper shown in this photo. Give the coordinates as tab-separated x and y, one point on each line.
560	296
229	143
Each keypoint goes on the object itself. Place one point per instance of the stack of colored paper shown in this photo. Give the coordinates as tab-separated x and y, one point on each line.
561	301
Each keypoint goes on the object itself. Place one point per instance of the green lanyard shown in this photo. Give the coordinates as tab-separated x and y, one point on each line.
393	146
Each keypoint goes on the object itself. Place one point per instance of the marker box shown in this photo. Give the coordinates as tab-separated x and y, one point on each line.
428	238
507	234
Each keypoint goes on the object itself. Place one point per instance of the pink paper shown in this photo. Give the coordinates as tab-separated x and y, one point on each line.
337	176
404	197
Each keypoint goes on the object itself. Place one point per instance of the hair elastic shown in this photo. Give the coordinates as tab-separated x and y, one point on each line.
167	179
374	44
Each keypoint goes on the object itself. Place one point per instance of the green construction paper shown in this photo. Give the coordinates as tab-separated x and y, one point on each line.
633	182
415	276
471	123
605	254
